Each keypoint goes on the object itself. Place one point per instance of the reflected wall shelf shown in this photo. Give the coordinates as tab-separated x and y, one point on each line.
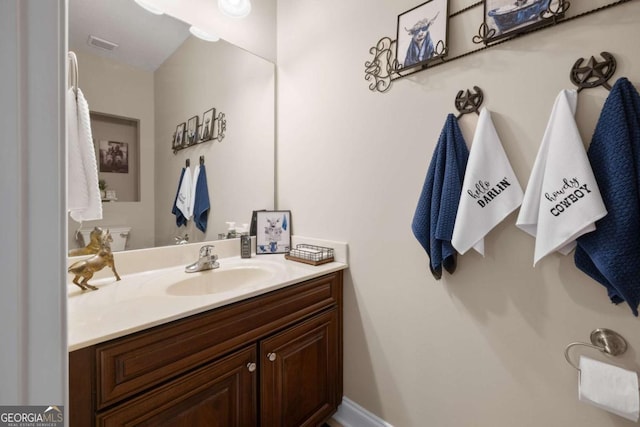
217	133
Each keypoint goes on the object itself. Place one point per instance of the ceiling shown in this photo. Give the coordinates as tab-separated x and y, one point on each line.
144	40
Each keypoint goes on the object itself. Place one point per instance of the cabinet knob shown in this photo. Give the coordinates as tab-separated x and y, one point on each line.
251	367
271	356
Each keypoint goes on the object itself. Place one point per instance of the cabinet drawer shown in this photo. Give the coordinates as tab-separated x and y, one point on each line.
130	365
220	394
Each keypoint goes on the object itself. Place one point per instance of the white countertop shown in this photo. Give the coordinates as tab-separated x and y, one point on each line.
149	298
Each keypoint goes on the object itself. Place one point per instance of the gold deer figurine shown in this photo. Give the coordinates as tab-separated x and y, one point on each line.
96	236
85	269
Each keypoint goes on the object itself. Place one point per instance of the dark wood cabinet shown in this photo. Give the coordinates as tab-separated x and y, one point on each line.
272	360
298	386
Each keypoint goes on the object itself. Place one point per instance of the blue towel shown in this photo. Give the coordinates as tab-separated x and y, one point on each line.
437	207
611	254
201	205
180	218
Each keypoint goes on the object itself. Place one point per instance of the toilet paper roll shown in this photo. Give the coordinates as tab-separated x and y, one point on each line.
610	388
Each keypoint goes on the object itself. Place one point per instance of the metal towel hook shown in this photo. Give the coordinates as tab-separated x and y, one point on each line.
604	340
73	72
594	73
469	102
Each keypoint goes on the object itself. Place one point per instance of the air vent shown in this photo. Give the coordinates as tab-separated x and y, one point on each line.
101	43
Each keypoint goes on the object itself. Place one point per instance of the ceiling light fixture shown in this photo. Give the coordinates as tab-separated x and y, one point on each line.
235	8
201	34
149	7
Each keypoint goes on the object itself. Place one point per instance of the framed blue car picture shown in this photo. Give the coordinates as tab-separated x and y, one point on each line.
422	34
508	18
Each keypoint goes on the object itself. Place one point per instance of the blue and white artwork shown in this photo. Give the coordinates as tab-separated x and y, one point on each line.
419	32
273	232
514	16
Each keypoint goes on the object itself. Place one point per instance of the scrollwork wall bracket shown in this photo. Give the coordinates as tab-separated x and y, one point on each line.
384	68
380	70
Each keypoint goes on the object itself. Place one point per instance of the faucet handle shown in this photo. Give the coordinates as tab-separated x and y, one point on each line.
205	251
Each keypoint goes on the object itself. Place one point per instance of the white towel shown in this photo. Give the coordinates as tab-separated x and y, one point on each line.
610	388
194	183
490	191
185	194
83	194
562	200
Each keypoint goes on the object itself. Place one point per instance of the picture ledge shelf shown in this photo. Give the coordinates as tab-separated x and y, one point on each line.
384	68
184	137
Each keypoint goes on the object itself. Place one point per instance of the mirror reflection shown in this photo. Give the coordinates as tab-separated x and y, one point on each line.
140	93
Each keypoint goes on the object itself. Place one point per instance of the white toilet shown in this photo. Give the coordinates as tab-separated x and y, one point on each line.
119	233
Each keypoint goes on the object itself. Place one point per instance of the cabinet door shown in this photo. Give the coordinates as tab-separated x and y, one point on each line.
299	373
220	394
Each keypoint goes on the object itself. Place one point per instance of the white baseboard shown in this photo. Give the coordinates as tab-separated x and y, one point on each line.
350	414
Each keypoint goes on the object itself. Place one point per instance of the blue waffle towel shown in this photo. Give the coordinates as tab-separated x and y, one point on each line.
437	207
611	254
201	205
180	218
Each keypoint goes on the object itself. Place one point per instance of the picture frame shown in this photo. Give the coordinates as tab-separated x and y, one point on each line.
191	136
422	34
207	125
253	229
178	138
113	156
508	18
273	234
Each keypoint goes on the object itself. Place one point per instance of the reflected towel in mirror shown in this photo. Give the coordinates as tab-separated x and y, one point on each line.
83	194
200	198
180	218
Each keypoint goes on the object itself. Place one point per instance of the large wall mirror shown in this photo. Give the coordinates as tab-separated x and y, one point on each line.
158	77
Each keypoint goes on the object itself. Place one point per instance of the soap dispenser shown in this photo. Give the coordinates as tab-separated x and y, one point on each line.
245	241
245	246
231	231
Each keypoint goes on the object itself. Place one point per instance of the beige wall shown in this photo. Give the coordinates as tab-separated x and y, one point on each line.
240	168
483	347
117	89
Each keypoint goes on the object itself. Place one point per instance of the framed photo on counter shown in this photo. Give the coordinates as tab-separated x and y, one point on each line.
273	232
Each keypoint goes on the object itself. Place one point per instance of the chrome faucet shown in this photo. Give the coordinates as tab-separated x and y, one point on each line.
206	261
182	240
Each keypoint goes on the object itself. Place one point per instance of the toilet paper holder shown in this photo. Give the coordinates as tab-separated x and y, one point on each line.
604	340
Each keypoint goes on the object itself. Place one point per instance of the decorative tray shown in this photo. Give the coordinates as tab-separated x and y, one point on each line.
310	254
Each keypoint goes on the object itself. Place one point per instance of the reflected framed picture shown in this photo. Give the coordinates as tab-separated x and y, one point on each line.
207	125
273	232
510	17
422	34
192	131
114	156
178	138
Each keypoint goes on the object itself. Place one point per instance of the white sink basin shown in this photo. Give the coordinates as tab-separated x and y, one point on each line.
219	280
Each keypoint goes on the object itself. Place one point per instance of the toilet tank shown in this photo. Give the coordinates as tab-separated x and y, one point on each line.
119	233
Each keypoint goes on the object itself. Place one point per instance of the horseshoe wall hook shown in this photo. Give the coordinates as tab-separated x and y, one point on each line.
469	102
595	73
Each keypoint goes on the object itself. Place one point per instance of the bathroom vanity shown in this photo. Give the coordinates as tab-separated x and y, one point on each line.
271	359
